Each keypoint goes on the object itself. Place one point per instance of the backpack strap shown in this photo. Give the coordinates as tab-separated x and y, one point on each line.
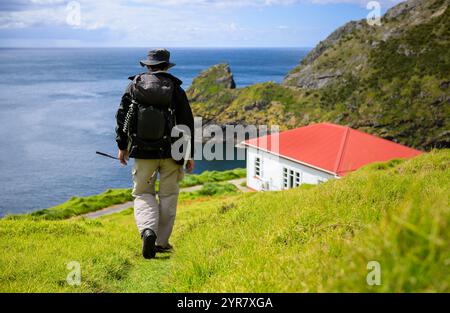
133	76
175	79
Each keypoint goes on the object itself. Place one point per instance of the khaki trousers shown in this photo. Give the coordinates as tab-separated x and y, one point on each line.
148	212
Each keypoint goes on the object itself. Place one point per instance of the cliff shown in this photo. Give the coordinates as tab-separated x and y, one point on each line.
214	97
390	80
349	49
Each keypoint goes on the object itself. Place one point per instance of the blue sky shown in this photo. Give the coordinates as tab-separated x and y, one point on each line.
175	23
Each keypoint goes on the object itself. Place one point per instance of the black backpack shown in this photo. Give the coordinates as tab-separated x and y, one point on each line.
150	117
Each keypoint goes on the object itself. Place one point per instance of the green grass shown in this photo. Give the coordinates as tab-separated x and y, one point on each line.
209	190
313	238
322	238
108	248
82	205
35	253
40	250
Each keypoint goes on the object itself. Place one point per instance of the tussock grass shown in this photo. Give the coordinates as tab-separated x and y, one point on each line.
322	238
313	238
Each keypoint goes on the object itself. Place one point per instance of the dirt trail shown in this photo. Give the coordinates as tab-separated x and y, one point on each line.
123	206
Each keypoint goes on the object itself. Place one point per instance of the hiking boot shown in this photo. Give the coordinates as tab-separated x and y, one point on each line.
148	244
164	249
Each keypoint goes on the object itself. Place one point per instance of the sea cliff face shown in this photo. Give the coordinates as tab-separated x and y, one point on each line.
391	80
214	97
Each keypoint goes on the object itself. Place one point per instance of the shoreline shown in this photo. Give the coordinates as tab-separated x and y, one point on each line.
114	196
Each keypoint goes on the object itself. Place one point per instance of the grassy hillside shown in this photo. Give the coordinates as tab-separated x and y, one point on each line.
306	239
390	80
36	252
81	205
321	238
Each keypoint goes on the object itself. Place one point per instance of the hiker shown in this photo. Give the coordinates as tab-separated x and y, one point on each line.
151	106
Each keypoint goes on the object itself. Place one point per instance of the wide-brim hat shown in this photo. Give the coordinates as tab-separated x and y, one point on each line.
157	56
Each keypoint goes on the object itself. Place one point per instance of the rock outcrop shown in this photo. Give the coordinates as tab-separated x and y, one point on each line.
211	80
213	96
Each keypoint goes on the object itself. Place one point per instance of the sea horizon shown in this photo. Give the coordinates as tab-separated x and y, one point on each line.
58	107
167	47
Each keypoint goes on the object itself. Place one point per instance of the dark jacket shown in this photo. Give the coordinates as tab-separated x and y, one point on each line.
183	116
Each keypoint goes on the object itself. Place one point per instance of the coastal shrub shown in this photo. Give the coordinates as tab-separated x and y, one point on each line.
210	189
212	176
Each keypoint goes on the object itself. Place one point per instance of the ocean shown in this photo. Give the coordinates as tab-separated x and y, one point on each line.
57	108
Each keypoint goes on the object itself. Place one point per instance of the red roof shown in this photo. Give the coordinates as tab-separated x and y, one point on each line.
333	148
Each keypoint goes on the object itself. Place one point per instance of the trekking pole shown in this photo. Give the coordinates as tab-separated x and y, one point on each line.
106	155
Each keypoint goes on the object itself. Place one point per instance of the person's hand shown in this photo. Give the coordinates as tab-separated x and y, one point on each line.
123	157
190	164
